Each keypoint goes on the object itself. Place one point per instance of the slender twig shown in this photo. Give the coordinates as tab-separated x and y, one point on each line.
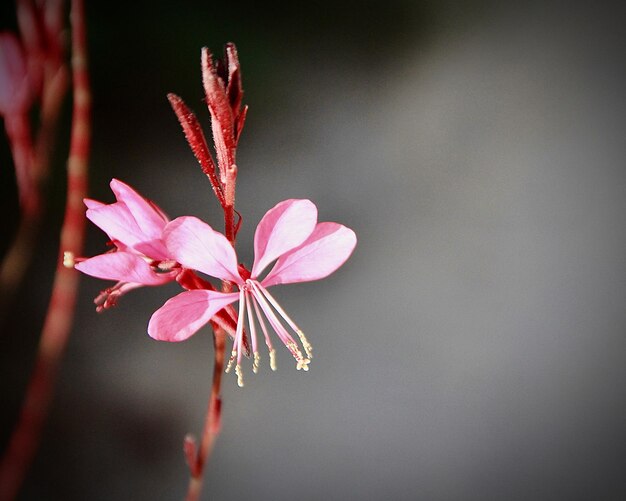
32	161
198	461
19	255
25	438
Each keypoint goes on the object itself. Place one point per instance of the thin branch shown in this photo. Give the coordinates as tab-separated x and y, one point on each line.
32	157
222	87
25	439
212	424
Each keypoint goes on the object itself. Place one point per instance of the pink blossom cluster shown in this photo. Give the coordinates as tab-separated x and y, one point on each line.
148	250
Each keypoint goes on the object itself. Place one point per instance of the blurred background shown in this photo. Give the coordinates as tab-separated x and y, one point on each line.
473	346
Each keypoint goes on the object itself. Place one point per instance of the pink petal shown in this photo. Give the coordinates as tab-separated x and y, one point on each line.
196	245
117	221
181	316
150	221
154	249
328	247
123	267
283	228
92	204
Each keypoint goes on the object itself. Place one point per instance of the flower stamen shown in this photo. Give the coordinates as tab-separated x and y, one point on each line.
68	259
301	361
305	343
308	349
273	359
282	333
268	341
236	353
231	361
255	363
237	344
242	316
239	375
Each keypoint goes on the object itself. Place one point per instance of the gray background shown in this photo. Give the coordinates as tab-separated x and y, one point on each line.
472	347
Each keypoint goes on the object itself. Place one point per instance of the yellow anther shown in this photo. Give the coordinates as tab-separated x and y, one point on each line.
292	347
303	363
295	350
68	259
273	359
239	376
231	360
308	349
255	364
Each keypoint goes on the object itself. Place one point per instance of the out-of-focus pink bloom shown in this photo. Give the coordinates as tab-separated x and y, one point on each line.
15	101
135	227
41	26
15	95
289	233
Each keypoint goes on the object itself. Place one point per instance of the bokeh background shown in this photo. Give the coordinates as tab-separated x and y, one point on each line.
472	348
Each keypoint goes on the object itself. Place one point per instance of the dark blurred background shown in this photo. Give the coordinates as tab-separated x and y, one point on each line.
471	349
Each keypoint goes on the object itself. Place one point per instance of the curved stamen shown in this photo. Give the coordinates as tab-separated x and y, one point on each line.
305	342
242	316
285	337
255	363
237	345
278	327
268	341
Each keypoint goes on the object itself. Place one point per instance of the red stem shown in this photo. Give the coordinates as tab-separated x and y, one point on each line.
26	436
224	100
212	422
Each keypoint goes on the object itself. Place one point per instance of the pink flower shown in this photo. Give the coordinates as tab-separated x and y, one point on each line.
289	233
135	227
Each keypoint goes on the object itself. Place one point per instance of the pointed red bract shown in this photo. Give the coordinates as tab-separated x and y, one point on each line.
197	142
